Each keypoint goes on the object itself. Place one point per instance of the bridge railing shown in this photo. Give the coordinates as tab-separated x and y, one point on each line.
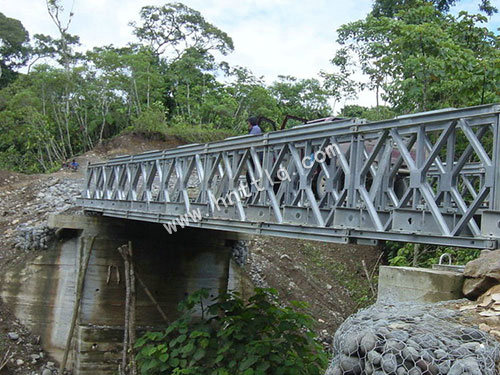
432	177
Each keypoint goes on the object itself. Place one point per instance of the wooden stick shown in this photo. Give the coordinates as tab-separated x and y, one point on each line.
82	271
131	327
123	252
150	295
6	358
376	264
368	278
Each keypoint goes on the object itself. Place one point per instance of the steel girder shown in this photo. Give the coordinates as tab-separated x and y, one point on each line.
430	177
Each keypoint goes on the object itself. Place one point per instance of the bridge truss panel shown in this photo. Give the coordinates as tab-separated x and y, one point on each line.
427	178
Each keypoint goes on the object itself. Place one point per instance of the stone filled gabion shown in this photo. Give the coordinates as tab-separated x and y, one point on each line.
240	252
411	339
31	238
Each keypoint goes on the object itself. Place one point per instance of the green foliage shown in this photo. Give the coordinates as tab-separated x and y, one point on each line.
14	48
151	119
174	28
426	255
389	8
423	59
371	114
234	337
413	55
203	134
304	98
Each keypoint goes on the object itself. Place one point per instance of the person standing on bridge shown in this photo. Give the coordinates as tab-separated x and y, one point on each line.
254	129
253	126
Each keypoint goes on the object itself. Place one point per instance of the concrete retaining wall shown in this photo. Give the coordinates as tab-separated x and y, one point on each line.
405	284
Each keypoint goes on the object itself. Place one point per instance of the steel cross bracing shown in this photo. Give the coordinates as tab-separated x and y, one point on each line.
431	178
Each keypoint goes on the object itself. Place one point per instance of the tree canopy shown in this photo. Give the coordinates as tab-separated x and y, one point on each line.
423	59
14	48
389	8
57	101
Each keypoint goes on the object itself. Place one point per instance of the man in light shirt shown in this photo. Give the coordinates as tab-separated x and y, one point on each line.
254	129
253	126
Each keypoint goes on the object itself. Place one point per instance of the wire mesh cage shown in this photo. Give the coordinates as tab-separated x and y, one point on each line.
412	339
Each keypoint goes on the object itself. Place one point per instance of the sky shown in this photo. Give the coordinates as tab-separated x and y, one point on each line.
271	37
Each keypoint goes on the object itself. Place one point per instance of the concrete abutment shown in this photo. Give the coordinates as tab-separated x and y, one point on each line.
41	292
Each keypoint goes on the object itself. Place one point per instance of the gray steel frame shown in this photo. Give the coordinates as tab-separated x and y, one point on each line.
427	178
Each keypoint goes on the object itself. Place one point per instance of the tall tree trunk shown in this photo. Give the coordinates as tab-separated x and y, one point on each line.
136	94
417	249
148	88
66	122
187	101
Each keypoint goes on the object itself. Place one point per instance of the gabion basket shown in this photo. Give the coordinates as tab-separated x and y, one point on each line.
411	339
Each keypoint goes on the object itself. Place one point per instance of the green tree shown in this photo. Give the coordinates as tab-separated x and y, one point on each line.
174	27
14	48
371	114
389	8
424	59
339	86
253	98
304	98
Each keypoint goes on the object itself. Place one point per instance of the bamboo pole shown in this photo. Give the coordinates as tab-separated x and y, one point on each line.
82	271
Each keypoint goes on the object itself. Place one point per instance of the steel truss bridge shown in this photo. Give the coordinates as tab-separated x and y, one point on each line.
430	177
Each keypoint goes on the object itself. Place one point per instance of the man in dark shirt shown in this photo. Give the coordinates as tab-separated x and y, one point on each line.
253	126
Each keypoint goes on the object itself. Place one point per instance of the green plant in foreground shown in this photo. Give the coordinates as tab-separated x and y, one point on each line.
234	337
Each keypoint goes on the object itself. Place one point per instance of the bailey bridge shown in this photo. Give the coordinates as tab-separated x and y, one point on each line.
431	177
427	178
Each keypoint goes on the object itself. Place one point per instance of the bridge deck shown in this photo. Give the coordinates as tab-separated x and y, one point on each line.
427	178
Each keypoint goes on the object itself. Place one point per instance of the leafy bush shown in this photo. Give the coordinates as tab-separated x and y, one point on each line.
185	133
403	254
234	337
198	134
151	119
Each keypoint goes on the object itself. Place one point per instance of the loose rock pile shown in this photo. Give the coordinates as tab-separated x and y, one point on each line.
58	195
240	252
411	339
33	238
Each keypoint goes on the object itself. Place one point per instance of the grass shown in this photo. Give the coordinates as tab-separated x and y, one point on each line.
358	288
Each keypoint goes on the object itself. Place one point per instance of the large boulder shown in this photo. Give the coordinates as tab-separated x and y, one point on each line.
481	274
487	265
473	288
